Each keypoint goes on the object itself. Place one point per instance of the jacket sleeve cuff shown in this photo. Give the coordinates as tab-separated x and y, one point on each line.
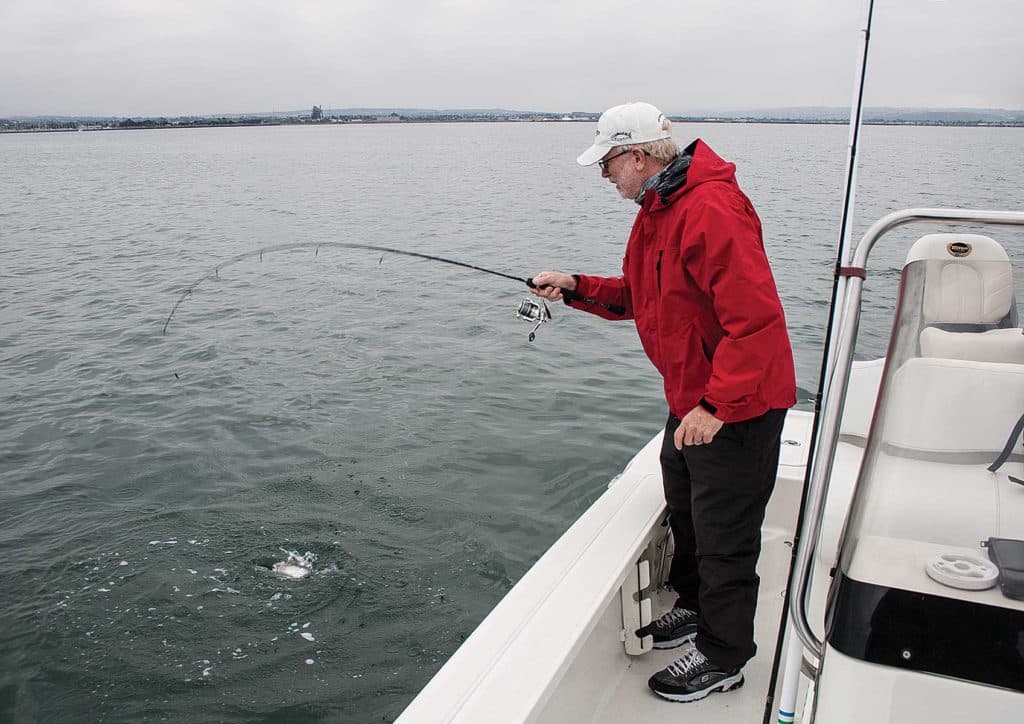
565	298
707	405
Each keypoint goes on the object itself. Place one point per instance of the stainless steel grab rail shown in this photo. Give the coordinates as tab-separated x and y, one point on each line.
834	395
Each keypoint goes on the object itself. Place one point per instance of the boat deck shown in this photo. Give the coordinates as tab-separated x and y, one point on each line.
627	698
551	652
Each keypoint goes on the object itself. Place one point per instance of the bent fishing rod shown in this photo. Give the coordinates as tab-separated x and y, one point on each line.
529	310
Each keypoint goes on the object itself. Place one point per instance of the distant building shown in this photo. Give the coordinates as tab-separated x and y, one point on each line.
317	114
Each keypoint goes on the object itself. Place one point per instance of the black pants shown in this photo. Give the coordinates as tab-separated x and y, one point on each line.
716	495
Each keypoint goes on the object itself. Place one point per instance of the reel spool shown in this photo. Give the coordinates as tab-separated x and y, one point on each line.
532	311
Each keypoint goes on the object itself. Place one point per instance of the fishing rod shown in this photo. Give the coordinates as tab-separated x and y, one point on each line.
795	652
528	310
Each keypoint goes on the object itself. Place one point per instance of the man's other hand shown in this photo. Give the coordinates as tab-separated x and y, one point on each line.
698	427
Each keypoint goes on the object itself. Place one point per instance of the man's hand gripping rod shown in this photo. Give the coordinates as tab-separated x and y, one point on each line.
574	296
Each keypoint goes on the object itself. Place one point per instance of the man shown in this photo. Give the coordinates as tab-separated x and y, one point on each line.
696	281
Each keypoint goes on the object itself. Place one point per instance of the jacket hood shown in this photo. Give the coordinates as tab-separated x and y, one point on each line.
695	164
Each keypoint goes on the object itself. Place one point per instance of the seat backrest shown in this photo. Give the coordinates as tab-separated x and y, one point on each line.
938	408
968	281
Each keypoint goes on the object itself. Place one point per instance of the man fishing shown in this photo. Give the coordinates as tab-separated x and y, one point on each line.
697	283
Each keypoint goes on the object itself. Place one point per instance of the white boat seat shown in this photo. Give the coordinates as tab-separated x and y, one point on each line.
968	301
933	502
953	410
946	421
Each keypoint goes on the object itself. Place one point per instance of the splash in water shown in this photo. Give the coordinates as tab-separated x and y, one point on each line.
296	565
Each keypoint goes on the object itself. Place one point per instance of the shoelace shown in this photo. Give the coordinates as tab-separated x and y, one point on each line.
676	615
687	663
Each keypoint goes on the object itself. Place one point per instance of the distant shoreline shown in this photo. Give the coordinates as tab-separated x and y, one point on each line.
72	126
137	127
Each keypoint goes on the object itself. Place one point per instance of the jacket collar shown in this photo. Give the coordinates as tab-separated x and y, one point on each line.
670	179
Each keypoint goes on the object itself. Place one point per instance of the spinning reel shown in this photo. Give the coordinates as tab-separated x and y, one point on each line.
533	311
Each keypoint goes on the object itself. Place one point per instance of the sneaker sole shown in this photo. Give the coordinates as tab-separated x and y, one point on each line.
730	684
675	643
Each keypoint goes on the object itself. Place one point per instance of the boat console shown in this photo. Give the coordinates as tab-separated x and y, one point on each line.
913	589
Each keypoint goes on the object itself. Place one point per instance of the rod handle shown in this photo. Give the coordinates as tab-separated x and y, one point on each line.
573	296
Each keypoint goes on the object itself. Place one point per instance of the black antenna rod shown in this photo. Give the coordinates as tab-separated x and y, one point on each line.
844	233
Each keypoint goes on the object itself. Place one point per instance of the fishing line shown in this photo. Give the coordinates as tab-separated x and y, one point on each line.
528	309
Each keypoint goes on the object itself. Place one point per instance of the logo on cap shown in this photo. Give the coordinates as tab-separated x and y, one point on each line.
622	135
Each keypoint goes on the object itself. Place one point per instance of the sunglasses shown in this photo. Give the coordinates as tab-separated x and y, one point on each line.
604	162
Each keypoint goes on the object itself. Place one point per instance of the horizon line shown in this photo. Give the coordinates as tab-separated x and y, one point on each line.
493	109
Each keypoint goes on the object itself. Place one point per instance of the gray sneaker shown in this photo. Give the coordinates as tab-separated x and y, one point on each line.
692	677
675	628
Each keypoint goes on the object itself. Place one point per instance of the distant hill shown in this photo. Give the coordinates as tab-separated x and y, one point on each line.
808	113
427	112
783	114
881	114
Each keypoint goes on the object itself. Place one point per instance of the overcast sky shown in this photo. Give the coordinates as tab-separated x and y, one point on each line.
179	57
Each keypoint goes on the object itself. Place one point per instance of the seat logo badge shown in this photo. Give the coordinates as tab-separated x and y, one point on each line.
958	248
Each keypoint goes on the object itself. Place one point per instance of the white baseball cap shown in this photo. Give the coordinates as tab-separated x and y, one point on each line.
628	124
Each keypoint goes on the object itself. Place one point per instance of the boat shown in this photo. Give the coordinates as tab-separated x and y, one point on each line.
899	480
879	600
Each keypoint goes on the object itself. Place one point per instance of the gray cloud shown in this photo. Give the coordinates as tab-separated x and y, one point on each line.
156	57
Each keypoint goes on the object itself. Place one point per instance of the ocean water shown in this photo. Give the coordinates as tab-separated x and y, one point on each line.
384	414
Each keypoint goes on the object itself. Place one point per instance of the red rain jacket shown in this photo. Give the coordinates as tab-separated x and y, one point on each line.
696	279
